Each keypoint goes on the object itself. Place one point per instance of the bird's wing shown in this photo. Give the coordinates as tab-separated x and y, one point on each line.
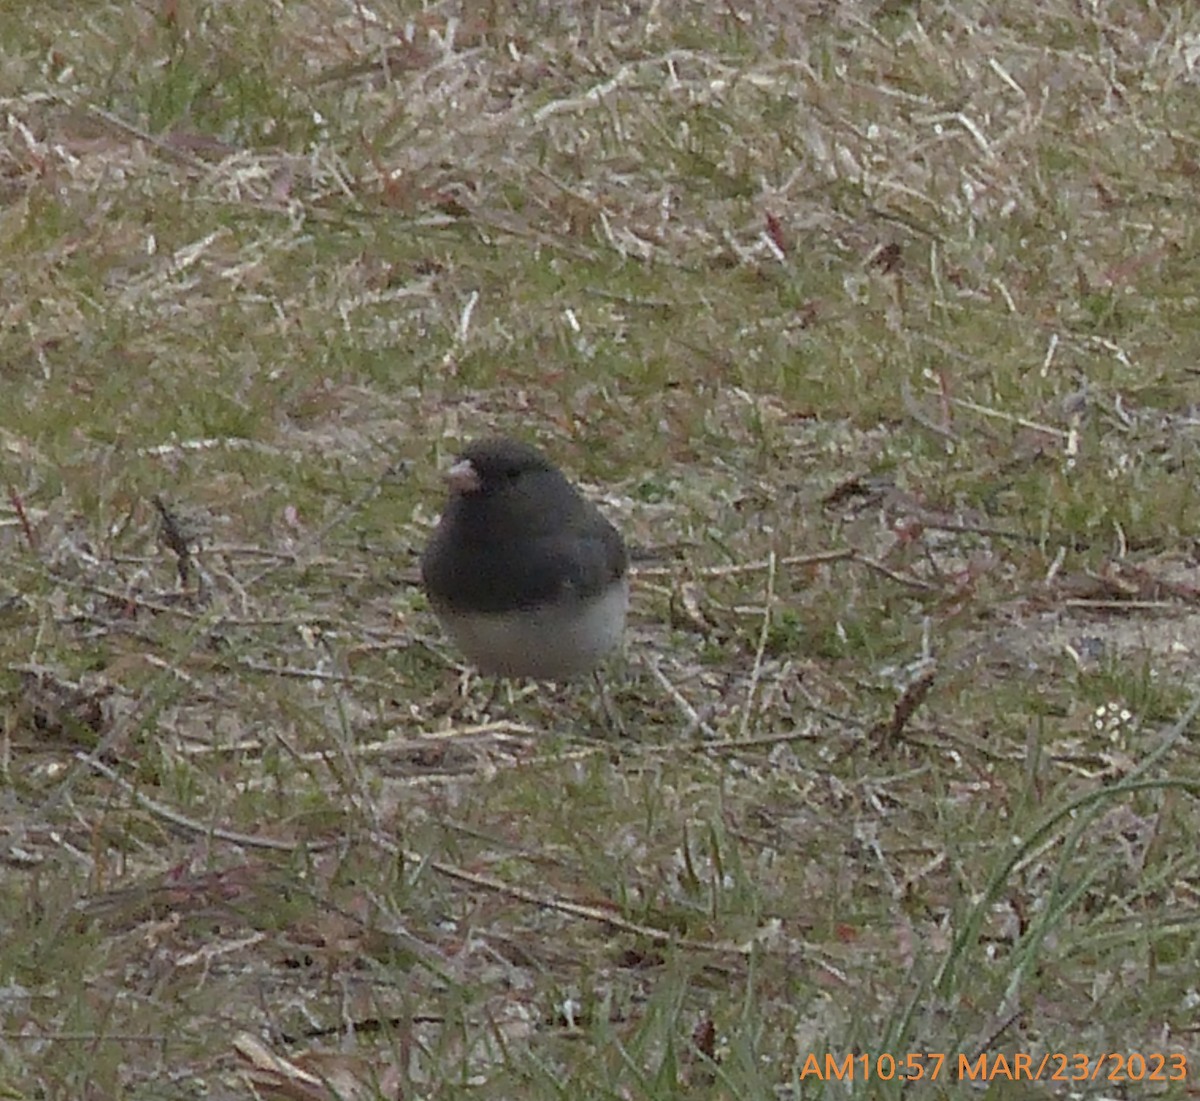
578	560
585	563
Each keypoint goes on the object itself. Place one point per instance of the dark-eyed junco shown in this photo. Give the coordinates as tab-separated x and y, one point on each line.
525	575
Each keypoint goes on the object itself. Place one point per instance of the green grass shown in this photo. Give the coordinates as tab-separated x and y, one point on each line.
874	326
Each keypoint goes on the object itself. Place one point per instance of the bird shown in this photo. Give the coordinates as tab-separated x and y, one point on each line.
527	577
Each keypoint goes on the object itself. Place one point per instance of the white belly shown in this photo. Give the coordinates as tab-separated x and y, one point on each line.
549	643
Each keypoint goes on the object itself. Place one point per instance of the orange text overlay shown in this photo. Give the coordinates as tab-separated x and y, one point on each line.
1053	1066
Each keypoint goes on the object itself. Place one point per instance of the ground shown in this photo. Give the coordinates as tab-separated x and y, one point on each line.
874	326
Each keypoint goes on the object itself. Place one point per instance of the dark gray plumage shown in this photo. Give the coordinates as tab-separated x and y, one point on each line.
525	575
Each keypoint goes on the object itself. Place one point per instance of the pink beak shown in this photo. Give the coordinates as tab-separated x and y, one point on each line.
462	477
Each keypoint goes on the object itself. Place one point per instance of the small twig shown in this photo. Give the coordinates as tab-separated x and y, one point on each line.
213	443
892	575
906	706
579	910
467	734
155	662
1127	605
998	414
756	566
143	135
594	95
19	508
174	537
696	721
989	1042
914	410
760	651
299	672
190	825
736	745
44	1036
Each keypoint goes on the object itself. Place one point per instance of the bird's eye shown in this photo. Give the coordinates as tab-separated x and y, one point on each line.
512	473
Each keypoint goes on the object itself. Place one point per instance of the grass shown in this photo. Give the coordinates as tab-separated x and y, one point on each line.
873	326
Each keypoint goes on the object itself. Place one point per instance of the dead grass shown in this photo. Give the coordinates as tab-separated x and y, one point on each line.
872	325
